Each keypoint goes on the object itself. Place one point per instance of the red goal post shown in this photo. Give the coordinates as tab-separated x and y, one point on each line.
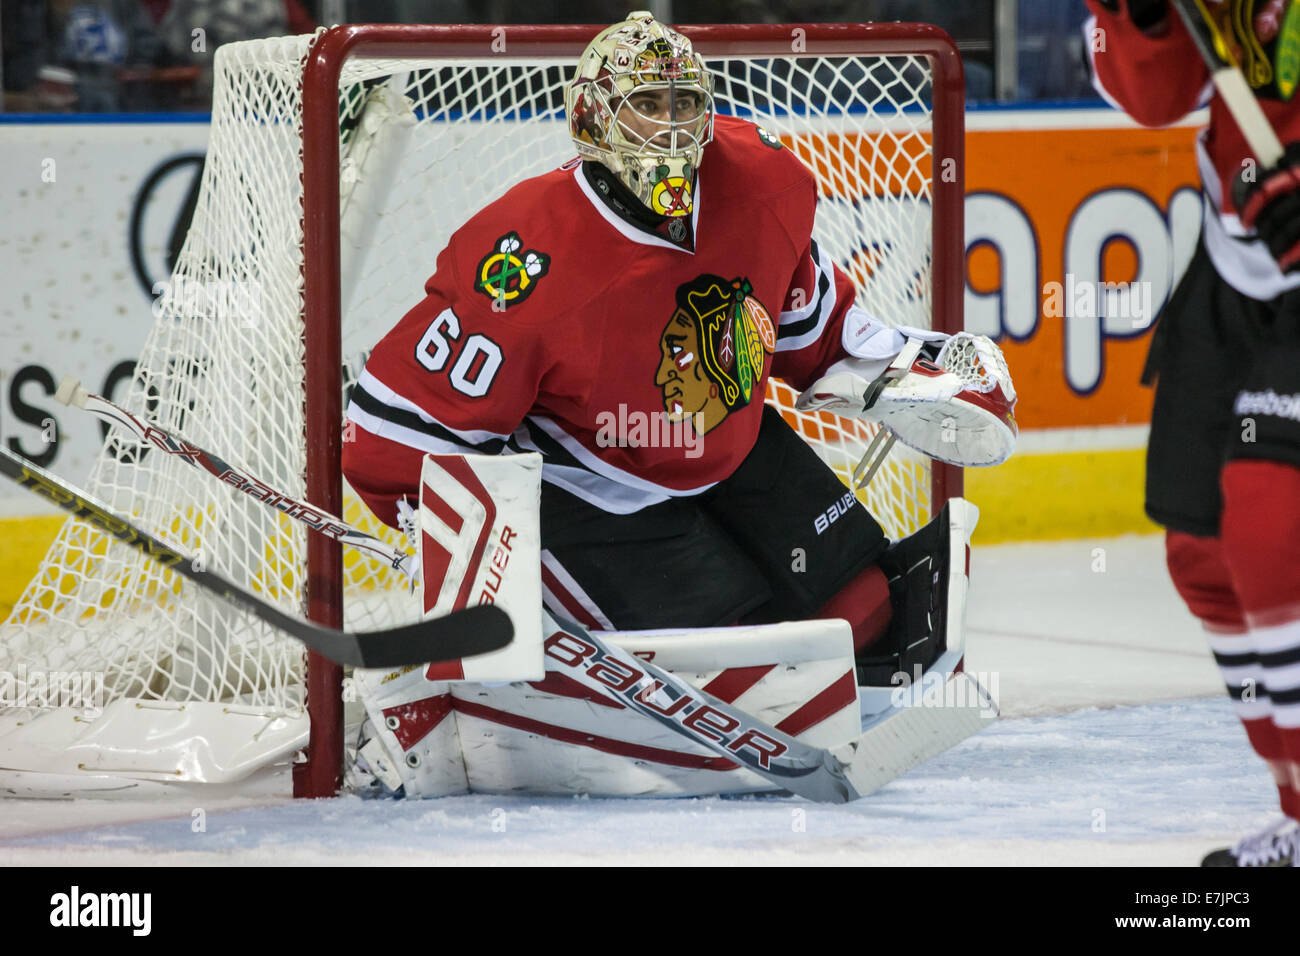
321	269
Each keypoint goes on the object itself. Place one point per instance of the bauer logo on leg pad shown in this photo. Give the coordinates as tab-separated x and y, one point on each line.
480	544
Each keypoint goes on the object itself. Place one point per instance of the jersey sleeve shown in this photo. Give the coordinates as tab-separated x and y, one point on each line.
1157	77
452	376
809	334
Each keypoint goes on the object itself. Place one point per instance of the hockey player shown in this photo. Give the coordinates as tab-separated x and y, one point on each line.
662	278
1223	462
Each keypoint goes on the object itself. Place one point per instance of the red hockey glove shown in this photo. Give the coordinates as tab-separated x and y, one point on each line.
1271	206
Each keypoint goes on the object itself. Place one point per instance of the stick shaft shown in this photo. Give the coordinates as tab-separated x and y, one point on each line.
319	521
1231	82
475	630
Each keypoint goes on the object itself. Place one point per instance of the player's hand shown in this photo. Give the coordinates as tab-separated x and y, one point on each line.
1271	206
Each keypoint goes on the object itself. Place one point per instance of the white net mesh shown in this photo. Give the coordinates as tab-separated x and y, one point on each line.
424	145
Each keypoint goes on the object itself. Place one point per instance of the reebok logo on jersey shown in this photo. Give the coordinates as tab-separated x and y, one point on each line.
1268	403
508	277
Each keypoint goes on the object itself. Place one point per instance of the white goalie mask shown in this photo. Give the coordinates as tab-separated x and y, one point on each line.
642	104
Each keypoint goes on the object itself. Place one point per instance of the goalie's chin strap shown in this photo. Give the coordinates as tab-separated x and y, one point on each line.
883	443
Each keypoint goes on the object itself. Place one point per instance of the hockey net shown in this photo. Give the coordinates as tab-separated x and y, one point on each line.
389	140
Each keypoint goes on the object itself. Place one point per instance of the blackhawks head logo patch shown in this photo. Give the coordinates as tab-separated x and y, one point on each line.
508	276
713	351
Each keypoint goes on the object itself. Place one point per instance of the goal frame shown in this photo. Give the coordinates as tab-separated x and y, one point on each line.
320	774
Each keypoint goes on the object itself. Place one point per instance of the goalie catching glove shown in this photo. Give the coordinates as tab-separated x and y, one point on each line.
950	398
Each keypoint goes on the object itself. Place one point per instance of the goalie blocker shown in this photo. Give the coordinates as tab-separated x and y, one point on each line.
562	727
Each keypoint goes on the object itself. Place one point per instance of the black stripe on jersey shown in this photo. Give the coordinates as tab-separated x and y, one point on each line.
399	416
803	326
1284	697
552	451
1238	691
1244	659
1282	658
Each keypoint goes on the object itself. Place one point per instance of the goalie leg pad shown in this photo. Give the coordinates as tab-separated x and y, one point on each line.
927	573
409	745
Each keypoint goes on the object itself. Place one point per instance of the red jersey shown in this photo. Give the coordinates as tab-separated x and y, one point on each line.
1159	78
636	365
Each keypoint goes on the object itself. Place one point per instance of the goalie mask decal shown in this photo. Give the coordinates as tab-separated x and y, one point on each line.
508	276
713	351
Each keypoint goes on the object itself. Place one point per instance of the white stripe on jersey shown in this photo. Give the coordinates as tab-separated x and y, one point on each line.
825	305
574	590
628	230
1249	675
406	436
1242	260
392	399
599	466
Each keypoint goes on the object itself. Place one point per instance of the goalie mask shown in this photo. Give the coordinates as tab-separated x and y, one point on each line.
642	104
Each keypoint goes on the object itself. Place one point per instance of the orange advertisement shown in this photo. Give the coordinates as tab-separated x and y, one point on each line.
1075	238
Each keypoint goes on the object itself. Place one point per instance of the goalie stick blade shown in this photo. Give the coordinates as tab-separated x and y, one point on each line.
836	775
462	633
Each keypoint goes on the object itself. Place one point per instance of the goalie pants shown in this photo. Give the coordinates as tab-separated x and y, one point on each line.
1223	475
774	541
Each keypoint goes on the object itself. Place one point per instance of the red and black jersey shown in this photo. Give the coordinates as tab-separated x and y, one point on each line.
635	364
1157	77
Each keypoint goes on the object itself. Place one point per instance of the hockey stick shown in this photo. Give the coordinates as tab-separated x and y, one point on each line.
882	753
1230	82
475	630
71	393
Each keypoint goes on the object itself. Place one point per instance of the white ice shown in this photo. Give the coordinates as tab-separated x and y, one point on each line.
1116	746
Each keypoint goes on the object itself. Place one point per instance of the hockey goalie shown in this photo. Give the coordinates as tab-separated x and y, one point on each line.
571	423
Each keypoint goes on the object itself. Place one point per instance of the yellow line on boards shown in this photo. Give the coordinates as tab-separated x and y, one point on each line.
1032	497
1060	495
25	540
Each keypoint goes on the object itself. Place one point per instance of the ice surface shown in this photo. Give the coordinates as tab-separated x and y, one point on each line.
1116	747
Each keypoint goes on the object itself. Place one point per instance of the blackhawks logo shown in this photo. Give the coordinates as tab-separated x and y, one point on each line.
713	351
507	277
767	139
671	195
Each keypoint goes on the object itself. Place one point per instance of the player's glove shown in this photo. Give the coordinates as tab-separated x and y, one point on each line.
956	405
1271	206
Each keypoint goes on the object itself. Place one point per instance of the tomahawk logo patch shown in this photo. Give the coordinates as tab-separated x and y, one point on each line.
508	276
